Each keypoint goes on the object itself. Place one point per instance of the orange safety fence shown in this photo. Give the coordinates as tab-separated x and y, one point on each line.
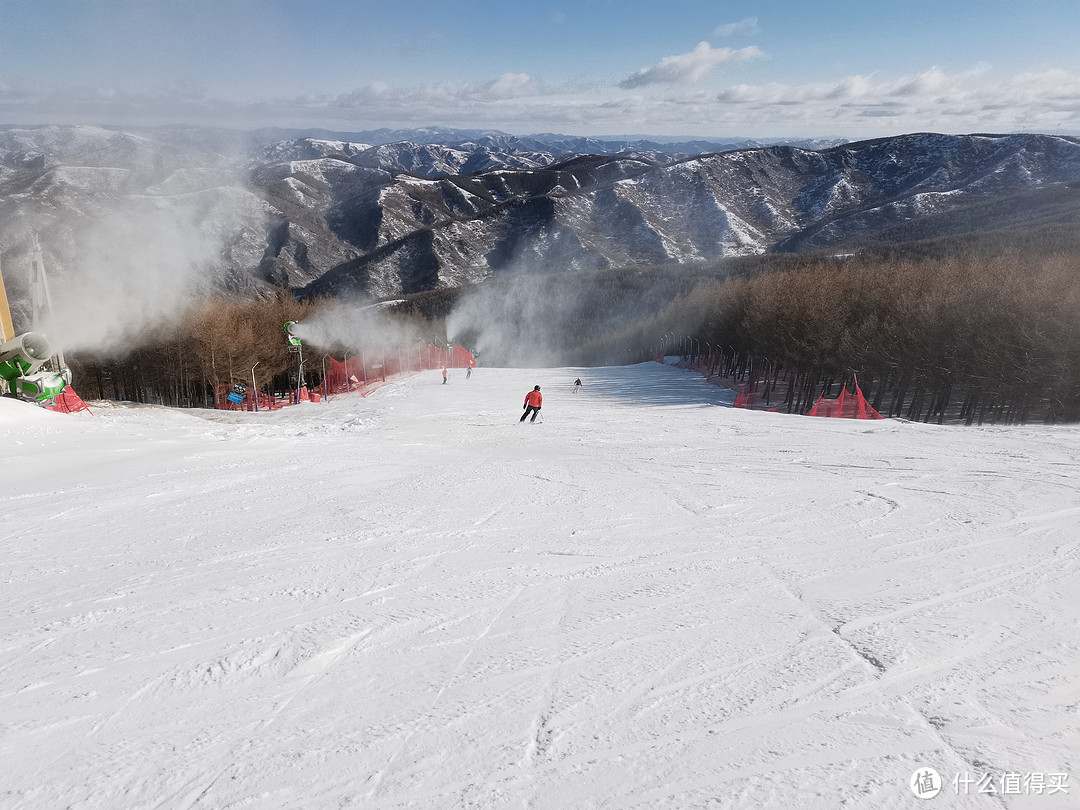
366	370
355	373
845	406
745	400
848	405
68	402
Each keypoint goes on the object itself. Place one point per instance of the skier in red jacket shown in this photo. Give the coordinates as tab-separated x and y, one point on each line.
533	401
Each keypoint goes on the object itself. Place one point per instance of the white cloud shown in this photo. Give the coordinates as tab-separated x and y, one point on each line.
512	85
930	81
688	67
858	105
742	27
850	87
929	100
507	87
932	84
1055	85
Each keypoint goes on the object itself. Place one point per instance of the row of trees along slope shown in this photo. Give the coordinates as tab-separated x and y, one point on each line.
970	338
219	341
984	333
179	364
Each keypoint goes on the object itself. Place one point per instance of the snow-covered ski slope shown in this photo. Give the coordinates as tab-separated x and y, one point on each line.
651	600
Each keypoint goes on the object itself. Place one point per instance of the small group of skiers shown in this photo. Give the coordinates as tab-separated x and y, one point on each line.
534	399
468	373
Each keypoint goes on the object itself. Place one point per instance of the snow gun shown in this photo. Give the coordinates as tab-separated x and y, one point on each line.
292	338
29	368
296	346
21	359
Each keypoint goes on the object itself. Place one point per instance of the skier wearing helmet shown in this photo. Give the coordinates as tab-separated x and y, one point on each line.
533	399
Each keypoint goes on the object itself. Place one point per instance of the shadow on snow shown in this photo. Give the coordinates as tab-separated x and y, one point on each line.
647	383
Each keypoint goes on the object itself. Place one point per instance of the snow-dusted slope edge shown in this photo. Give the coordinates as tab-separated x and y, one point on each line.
649	601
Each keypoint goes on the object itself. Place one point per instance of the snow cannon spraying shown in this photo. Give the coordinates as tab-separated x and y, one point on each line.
296	346
23	355
30	369
20	362
290	333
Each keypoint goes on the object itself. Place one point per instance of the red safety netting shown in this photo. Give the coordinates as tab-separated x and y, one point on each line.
364	371
68	402
845	406
745	399
355	373
848	405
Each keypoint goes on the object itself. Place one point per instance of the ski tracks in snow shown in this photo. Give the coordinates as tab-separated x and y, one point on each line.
649	602
378	778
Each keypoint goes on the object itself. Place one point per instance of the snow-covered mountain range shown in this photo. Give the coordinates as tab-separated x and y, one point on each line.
410	211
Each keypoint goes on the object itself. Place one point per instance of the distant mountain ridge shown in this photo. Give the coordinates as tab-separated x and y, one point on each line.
381	217
540	142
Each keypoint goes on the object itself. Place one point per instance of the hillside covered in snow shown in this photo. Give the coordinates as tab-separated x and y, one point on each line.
650	600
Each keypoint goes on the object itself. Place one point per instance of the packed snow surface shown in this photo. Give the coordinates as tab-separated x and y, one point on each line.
650	600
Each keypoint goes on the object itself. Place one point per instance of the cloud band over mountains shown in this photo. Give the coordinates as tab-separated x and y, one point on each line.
689	67
679	95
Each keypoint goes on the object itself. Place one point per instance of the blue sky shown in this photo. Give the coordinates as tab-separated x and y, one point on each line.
596	67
